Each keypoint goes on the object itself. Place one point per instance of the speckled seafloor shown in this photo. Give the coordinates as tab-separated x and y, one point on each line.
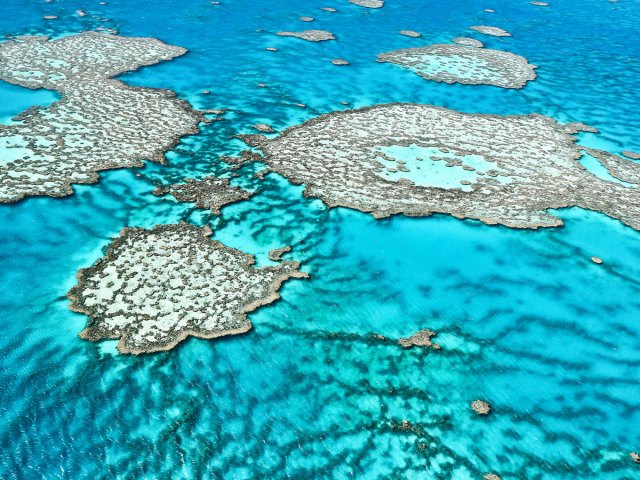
525	319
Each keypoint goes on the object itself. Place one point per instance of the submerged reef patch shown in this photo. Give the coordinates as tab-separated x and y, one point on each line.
264	128
481	407
451	63
99	124
421	338
277	253
154	288
493	31
208	192
368	3
469	42
309	35
421	159
410	33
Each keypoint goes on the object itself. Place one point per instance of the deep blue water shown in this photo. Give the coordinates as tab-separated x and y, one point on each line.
525	319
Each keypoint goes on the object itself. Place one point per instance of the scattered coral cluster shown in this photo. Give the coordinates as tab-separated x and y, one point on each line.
421	338
154	287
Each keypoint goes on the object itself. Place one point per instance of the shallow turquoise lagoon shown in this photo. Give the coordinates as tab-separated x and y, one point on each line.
526	320
16	99
427	167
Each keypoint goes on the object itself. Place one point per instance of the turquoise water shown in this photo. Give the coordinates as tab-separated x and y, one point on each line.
16	99
594	166
525	319
427	167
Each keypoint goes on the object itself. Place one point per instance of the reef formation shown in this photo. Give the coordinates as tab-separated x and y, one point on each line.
368	3
264	128
456	63
154	288
469	42
100	123
481	407
492	31
421	338
309	35
410	33
208	192
491	476
420	159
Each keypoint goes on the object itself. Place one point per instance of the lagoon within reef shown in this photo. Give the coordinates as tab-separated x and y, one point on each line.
320	240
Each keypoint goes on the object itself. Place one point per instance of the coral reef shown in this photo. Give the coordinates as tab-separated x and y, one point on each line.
481	407
493	31
420	339
154	288
369	3
309	35
276	253
99	124
464	64
469	42
421	159
410	33
208	192
263	127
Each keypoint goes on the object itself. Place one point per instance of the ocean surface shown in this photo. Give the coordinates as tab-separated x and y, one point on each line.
526	320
